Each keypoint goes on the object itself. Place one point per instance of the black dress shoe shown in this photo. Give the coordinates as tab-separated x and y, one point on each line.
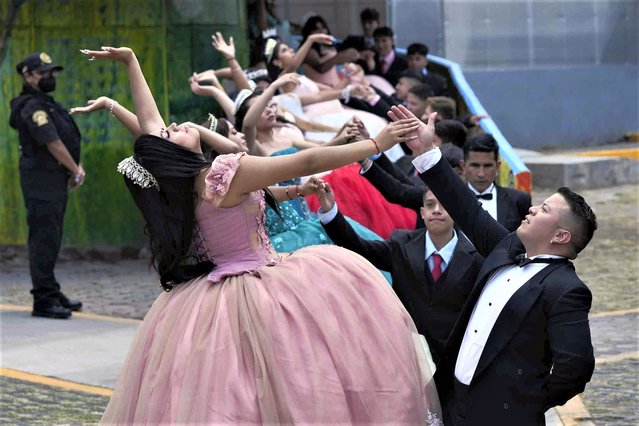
74	305
51	311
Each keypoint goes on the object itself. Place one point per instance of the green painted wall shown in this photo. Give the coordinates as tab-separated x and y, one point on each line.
171	39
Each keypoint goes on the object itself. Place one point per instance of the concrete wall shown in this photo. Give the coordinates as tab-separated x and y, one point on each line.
548	72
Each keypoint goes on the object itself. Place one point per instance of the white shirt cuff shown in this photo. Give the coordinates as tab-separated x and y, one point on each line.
427	160
327	217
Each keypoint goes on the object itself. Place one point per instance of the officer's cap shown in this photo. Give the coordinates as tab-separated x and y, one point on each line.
38	61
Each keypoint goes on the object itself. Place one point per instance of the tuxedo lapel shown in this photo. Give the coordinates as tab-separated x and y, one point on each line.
512	316
415	251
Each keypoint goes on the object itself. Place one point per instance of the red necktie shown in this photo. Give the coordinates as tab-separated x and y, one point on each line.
437	266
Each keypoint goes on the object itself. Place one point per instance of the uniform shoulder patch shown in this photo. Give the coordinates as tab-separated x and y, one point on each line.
40	118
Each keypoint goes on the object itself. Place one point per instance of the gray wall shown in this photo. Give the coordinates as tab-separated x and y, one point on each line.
548	72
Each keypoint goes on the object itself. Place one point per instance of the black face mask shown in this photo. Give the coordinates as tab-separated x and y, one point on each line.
47	84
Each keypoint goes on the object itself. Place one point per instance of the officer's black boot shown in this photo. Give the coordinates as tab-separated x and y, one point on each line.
50	308
74	305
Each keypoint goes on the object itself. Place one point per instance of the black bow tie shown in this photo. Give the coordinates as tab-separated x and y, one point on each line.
522	260
488	196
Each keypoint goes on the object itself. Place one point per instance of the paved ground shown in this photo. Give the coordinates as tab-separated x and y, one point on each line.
126	288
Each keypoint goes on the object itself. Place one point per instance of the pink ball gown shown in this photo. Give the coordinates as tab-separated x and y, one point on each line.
314	337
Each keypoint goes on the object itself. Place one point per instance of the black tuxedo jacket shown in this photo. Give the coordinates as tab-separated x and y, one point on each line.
539	353
392	75
437	83
396	186
434	306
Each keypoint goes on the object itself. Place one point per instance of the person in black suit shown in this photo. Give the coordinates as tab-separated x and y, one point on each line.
433	270
417	54
386	62
507	206
522	342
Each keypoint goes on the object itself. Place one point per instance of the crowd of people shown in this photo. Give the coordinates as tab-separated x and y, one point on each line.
333	247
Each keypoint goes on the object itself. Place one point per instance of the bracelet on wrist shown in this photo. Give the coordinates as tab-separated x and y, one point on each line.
376	146
297	189
111	106
287	194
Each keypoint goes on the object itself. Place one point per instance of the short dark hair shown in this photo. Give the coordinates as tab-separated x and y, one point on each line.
369	14
445	107
414	74
483	142
383	32
453	154
423	91
451	131
417	49
582	218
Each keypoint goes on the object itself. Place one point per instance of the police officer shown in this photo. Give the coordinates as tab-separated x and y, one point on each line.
49	161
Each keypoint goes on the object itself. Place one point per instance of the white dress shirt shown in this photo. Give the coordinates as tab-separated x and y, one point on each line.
489	205
446	252
498	290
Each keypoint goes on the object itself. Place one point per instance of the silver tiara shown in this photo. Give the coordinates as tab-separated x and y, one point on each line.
138	174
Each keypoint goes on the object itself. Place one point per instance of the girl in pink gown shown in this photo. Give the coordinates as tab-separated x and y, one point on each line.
245	336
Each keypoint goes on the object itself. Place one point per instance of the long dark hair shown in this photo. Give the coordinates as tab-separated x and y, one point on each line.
311	25
169	213
274	71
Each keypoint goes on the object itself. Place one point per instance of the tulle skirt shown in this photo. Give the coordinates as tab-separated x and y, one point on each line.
318	338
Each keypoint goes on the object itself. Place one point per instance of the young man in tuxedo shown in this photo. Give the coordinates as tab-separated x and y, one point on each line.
522	342
386	62
481	164
433	269
417	54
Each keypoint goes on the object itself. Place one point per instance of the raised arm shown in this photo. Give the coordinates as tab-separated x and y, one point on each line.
257	172
300	54
148	114
320	64
124	116
379	253
219	143
458	200
217	93
228	51
259	105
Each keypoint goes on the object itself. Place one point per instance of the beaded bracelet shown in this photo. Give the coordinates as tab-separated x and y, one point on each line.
111	106
376	146
297	189
287	194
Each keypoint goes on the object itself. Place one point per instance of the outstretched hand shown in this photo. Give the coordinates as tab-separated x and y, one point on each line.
400	130
120	54
423	136
102	102
226	49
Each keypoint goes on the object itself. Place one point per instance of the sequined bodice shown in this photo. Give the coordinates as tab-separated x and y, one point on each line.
234	238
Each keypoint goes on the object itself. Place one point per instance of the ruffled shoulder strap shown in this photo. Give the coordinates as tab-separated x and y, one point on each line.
220	176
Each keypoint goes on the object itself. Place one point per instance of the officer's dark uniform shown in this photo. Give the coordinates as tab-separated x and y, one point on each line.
40	120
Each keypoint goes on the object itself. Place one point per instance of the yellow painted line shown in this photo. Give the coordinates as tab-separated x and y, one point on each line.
615	313
627	152
52	381
617	358
84	315
574	413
